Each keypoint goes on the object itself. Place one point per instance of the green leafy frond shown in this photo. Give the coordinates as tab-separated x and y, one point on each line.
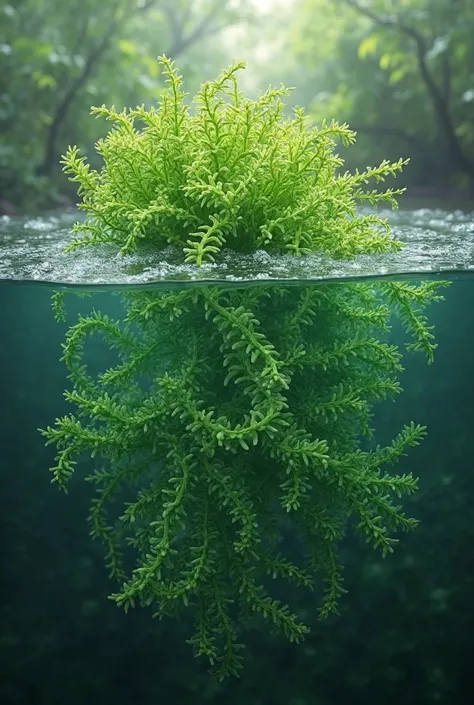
409	302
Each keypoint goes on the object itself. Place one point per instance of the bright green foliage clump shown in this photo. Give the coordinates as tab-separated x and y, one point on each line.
230	432
234	174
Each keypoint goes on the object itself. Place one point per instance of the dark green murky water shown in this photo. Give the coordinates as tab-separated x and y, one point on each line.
406	629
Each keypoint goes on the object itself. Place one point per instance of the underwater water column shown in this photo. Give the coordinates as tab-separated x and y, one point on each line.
237	416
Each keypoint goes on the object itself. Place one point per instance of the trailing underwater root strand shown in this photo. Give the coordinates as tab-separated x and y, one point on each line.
229	419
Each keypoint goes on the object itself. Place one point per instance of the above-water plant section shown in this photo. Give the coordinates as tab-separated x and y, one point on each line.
232	438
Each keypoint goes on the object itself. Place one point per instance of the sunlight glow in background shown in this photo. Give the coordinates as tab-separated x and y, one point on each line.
264	50
269	5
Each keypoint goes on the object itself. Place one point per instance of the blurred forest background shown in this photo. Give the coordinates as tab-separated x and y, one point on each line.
400	72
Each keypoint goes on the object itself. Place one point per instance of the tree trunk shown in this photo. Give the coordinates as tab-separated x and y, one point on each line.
62	109
181	42
440	102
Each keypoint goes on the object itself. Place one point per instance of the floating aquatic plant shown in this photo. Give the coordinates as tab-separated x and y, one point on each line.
235	173
234	421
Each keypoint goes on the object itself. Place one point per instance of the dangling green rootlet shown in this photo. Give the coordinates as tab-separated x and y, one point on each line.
236	417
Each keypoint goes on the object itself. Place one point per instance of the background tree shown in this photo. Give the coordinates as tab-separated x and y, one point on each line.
54	69
402	73
428	31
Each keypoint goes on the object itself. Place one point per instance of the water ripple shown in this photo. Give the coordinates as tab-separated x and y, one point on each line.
32	249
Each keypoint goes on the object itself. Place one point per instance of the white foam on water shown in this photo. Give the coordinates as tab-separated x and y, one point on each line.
33	249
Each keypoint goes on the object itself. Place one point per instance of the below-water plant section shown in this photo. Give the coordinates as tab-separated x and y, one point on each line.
240	420
235	422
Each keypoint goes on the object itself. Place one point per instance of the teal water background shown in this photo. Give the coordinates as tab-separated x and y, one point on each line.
406	630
